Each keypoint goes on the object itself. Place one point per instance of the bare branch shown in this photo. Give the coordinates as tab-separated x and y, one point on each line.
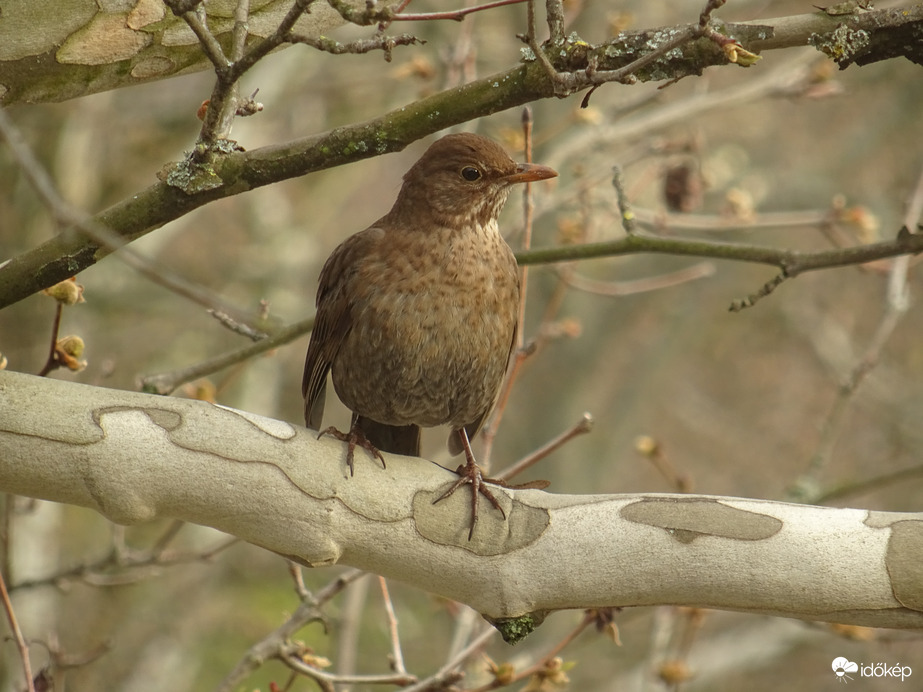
277	643
554	15
379	42
700	270
21	644
197	20
456	15
166	383
626	215
119	568
277	38
397	656
583	426
372	14
765	290
793	262
897	301
68	253
98	234
449	673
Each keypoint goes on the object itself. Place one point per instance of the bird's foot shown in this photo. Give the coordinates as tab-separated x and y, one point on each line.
471	473
354	438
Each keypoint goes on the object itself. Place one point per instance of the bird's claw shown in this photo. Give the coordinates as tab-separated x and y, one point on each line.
471	473
354	438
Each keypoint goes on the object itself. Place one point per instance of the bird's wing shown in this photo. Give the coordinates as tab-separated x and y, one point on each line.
333	320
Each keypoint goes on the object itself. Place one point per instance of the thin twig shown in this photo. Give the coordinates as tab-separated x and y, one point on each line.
233	325
223	102
554	16
764	290
558	82
449	672
528	214
132	567
63	661
467	620
197	20
794	262
614	289
626	215
664	222
281	35
594	77
160	545
868	485
897	303
456	15
542	663
17	634
294	569
6	535
397	658
166	383
241	29
349	633
512	374
583	426
527	350
588	619
52	362
357	47
104	237
654	452
291	656
276	643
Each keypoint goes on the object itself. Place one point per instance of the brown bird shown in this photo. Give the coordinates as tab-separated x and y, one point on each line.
417	315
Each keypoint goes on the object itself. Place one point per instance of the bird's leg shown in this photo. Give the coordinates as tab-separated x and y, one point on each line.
354	438
470	472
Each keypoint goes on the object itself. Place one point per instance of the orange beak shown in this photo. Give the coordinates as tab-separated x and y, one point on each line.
530	172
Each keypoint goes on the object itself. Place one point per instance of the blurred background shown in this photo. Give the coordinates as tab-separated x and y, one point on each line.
789	153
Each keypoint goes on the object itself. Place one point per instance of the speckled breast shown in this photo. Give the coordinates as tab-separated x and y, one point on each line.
431	333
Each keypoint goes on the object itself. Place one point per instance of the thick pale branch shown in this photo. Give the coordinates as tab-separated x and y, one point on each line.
60	51
136	457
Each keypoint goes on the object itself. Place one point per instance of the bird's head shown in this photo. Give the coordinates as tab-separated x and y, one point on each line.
464	180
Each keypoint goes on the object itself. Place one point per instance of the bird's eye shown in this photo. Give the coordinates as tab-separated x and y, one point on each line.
470	173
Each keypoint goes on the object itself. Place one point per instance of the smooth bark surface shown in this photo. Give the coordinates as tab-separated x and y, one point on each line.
136	457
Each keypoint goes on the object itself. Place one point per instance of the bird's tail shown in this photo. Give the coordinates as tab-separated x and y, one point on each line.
397	439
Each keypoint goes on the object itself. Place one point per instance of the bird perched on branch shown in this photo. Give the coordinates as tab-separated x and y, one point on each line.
417	314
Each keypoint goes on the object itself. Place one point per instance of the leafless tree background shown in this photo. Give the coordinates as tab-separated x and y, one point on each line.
810	395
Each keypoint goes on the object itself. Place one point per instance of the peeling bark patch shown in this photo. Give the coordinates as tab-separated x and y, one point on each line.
106	39
448	522
686	520
149	68
903	558
168	420
162	418
275	428
884	520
